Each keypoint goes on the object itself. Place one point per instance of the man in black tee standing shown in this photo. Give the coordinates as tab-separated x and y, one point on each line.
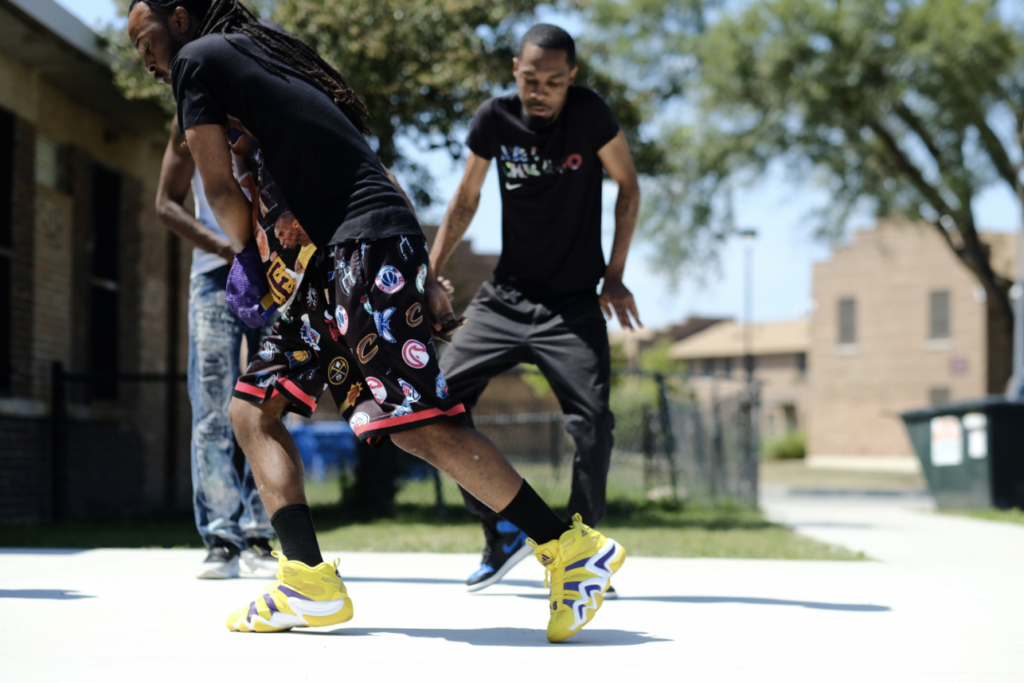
551	140
364	318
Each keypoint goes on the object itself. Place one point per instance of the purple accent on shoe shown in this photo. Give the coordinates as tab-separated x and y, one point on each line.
252	611
603	562
588	592
285	590
571	585
270	603
577	564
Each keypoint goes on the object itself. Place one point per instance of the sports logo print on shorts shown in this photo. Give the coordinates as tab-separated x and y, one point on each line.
308	334
381	320
264	380
389	280
359	419
341	316
345	277
363	350
411	396
404	248
337	372
414	316
442	386
297	358
311	298
332	325
268	351
351	398
377	389
421	277
415	354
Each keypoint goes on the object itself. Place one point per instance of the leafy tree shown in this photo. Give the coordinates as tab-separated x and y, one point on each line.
421	66
901	107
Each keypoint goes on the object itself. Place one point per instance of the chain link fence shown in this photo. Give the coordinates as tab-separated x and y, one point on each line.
668	445
126	452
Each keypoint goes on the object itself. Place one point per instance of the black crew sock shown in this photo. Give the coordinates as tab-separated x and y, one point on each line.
533	516
294	526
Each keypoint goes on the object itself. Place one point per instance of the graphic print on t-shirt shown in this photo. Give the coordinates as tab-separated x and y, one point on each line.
550	190
517	162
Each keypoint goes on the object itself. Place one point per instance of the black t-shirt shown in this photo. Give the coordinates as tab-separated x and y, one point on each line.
550	190
331	179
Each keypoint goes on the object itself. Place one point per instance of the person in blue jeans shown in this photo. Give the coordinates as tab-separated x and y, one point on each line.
230	516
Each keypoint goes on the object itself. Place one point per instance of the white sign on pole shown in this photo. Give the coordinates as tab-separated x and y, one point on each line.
947	441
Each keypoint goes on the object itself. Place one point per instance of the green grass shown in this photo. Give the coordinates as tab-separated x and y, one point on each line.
653	529
1013	515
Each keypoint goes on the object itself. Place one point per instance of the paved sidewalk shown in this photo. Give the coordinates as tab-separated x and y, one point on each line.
939	606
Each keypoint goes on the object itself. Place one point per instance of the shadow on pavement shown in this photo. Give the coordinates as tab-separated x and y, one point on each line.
502	637
42	594
507	582
42	551
702	600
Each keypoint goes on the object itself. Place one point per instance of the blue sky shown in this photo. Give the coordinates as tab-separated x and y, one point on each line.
784	251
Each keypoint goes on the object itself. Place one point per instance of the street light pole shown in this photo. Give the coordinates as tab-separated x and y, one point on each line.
748	301
1017	295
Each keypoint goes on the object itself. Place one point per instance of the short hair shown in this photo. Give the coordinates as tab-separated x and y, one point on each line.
550	37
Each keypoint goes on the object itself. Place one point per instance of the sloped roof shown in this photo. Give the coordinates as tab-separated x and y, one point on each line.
43	35
725	340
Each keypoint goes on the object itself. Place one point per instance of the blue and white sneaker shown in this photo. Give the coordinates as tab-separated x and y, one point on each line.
499	557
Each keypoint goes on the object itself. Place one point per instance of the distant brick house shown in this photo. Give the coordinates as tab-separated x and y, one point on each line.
899	323
716	365
88	276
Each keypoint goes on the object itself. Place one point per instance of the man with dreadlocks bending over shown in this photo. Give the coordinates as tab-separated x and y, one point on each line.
368	309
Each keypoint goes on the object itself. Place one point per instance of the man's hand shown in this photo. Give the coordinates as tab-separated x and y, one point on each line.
448	287
616	297
439	311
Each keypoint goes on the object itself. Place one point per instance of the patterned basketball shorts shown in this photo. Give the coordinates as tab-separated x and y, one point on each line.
357	327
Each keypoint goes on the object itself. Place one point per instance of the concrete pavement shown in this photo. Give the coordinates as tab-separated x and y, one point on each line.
943	603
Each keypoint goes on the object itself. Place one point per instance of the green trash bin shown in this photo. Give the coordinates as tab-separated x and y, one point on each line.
972	453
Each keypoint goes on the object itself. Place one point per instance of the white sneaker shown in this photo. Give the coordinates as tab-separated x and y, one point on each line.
220	563
258	560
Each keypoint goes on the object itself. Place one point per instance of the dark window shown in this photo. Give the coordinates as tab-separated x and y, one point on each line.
938	315
801	363
6	246
709	367
727	367
53	164
847	321
938	397
105	299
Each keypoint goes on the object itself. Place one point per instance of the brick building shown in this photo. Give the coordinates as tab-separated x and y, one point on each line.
716	365
88	278
899	323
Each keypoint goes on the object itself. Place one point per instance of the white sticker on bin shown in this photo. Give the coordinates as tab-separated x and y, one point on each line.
947	441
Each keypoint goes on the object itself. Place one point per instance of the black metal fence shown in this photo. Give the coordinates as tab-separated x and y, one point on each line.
129	454
119	444
668	444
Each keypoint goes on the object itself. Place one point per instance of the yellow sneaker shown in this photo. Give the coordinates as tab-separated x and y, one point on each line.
579	568
301	596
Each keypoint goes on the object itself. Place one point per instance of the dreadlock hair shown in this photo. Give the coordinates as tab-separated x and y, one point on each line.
230	16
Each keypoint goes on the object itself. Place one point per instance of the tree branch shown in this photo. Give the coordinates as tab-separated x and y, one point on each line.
907	166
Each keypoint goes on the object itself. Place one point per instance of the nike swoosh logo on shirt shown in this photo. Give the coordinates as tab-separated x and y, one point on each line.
510	186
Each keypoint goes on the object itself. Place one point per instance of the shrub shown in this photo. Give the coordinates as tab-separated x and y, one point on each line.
790	446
